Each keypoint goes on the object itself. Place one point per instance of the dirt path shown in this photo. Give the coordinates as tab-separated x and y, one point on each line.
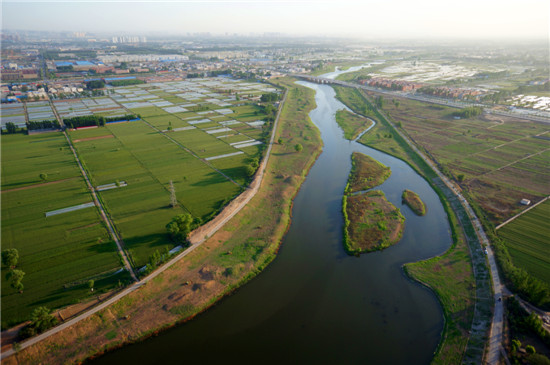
38	185
93	138
101	210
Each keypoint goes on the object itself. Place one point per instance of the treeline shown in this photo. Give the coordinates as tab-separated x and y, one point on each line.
469	112
527	286
44	124
270	97
220	72
127	82
11	128
94	120
95	84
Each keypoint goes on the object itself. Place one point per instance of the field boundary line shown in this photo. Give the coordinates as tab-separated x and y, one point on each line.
38	185
211	227
520	213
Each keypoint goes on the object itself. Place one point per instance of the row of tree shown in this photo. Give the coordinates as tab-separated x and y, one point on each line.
127	82
469	112
94	120
44	124
270	97
10	258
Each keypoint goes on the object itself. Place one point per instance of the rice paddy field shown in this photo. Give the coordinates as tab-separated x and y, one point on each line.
58	253
527	241
200	134
501	160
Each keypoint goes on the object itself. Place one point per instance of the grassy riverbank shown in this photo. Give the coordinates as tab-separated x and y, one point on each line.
228	259
456	296
352	124
414	202
366	173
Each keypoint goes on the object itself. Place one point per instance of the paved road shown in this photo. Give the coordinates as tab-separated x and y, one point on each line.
196	238
522	114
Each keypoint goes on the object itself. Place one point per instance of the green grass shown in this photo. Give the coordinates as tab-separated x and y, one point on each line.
527	241
56	252
352	124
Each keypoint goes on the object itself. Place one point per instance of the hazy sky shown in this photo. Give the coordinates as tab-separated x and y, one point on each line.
503	19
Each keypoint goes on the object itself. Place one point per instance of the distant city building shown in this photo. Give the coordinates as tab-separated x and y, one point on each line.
141	58
129	39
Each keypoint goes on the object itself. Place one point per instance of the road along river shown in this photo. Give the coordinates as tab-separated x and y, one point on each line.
315	304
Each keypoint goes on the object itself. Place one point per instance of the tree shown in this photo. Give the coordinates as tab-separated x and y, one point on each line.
95	84
460	177
530	349
11	128
179	227
91	284
43	176
298	147
280	141
173	198
15	277
250	170
41	319
10	257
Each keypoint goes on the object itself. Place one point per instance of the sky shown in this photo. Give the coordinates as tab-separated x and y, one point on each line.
423	19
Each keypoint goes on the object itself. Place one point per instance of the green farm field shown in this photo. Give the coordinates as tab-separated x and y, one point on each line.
500	160
527	240
59	253
147	161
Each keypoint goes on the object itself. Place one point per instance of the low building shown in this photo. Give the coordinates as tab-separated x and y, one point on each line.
525	202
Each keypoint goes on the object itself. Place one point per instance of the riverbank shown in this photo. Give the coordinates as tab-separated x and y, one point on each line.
228	259
413	201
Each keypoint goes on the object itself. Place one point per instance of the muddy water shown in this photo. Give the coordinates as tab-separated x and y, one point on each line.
315	304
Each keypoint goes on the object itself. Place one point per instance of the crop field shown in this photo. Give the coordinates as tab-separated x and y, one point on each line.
500	160
58	253
147	161
204	153
527	241
13	113
88	106
198	134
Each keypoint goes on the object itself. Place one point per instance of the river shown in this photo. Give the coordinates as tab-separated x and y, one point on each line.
315	304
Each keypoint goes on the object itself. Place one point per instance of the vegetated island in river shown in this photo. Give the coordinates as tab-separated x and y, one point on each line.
366	173
371	222
352	124
414	202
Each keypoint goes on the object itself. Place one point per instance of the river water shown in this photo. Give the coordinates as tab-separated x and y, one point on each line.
315	304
